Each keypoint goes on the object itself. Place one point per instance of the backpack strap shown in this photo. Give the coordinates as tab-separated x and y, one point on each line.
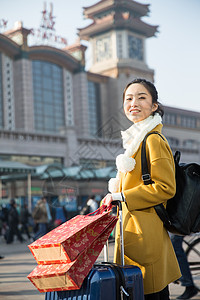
163	215
146	177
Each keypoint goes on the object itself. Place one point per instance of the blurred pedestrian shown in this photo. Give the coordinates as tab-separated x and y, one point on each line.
41	216
91	206
24	217
13	223
4	220
186	278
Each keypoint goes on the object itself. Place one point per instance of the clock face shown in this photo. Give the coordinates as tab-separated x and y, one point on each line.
135	47
103	48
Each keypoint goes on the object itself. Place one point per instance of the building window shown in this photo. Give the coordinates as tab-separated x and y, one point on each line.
188	122
135	48
48	96
103	48
169	118
68	95
1	93
94	108
173	142
180	120
8	101
119	46
190	144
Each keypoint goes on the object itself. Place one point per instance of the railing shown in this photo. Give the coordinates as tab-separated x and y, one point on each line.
27	136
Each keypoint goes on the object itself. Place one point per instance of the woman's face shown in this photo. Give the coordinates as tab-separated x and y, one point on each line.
138	103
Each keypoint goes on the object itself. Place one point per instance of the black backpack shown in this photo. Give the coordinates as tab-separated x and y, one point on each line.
182	213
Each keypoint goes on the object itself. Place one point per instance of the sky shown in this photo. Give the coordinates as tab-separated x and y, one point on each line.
174	53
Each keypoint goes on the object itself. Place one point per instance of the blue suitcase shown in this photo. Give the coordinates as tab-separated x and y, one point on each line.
107	281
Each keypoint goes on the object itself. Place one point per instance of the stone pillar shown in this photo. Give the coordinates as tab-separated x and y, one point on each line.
24	102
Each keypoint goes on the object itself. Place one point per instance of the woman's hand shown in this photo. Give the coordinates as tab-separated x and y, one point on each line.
107	200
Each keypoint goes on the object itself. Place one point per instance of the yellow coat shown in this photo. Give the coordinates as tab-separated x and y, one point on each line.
147	243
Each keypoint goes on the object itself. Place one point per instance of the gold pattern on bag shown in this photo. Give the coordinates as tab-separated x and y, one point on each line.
91	251
78	236
92	232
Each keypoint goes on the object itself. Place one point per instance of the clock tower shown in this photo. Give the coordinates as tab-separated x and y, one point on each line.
117	37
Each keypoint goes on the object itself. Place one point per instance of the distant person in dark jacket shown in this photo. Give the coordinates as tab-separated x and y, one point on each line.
13	222
4	219
24	216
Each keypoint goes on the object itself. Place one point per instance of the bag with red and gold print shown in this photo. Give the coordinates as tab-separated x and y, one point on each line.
70	276
64	243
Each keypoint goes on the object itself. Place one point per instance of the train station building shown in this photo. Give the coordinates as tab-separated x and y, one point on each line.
63	122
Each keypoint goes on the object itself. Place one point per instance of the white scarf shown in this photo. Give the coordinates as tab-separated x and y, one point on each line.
132	138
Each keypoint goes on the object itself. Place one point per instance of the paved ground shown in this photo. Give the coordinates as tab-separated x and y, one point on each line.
19	262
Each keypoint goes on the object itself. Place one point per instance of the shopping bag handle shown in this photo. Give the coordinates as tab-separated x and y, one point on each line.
100	210
104	207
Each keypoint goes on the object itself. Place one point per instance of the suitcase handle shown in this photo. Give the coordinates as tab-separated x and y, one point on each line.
119	204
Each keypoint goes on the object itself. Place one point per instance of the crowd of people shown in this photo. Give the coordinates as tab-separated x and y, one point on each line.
14	223
25	225
10	222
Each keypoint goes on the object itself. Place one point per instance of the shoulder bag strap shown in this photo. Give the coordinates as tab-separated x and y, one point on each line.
146	177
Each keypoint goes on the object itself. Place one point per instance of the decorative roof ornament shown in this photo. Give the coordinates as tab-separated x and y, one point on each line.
3	25
46	33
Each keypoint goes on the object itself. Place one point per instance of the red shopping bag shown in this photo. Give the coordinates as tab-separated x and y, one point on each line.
70	276
64	243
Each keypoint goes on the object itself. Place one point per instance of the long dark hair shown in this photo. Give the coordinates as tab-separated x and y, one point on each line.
151	89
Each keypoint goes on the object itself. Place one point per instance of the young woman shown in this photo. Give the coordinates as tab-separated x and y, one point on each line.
147	243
